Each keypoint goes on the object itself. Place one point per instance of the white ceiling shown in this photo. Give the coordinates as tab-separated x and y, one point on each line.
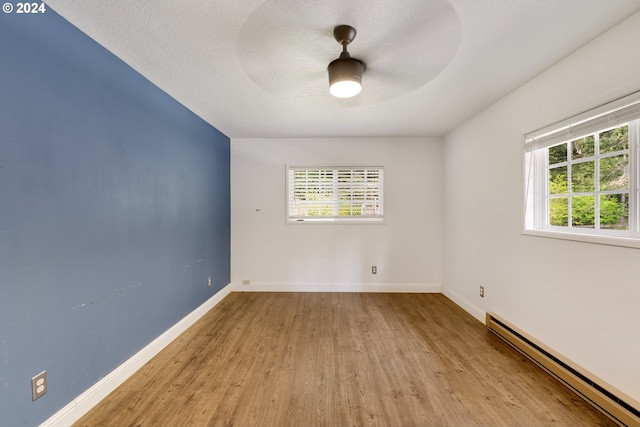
256	68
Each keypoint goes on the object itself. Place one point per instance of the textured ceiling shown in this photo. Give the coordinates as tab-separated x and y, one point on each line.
285	47
255	68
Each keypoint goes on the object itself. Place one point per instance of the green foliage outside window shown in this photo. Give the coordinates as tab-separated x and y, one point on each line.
583	147
559	212
614	211
558	154
614	140
613	176
583	211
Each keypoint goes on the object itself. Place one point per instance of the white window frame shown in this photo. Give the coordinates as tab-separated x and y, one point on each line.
600	119
377	217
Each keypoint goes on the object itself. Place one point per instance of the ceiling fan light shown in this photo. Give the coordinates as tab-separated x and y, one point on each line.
345	89
345	77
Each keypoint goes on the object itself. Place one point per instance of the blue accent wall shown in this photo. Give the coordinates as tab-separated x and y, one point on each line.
114	210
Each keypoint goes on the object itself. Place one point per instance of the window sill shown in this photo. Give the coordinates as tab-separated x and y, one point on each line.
628	242
360	221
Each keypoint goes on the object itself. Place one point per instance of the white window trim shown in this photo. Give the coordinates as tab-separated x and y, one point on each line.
346	220
576	237
617	112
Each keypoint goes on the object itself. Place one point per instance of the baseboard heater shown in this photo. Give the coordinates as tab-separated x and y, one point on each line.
621	408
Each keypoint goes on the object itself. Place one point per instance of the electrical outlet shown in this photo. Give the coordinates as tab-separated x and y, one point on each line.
481	291
38	385
374	269
246	282
209	282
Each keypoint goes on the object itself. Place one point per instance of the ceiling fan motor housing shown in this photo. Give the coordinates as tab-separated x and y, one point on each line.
345	73
345	69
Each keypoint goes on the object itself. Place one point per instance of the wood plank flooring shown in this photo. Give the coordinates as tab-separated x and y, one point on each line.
340	359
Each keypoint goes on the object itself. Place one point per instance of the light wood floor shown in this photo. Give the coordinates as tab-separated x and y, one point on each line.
340	359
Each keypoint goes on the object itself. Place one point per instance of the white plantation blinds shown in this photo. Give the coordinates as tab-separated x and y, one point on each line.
606	116
334	193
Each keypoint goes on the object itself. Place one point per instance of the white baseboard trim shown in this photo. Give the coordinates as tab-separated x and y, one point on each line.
92	396
465	305
339	287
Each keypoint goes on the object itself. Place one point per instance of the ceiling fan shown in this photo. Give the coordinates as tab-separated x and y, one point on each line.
345	73
284	47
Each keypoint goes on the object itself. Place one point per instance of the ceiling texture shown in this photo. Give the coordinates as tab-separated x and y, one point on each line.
256	68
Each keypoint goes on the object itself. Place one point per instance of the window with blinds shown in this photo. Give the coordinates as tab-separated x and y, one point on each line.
583	173
338	194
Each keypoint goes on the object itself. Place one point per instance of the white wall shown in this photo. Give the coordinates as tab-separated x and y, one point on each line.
407	249
581	299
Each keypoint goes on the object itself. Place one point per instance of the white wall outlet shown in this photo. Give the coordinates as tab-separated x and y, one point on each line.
39	385
481	291
246	282
209	282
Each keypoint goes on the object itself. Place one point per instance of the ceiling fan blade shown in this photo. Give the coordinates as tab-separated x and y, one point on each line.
285	46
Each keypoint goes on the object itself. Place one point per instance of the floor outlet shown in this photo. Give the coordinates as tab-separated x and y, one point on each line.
38	385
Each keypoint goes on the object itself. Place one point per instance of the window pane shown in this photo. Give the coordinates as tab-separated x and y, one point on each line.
583	210
614	211
558	154
583	147
559	212
582	177
614	173
558	183
614	140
